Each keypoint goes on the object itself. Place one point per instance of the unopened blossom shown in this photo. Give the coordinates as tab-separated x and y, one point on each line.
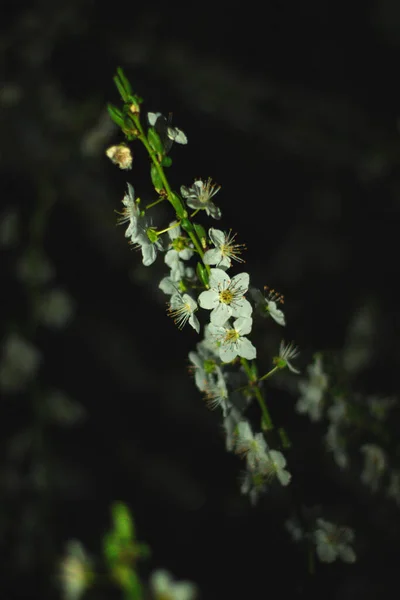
374	466
332	542
286	353
312	391
199	195
268	305
232	341
182	308
163	587
120	155
225	298
225	249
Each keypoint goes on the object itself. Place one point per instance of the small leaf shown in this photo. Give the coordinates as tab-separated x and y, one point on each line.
115	115
156	179
201	234
166	161
123	523
202	274
124	81
155	141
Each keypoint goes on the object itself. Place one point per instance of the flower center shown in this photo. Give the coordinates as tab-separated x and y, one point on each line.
226	296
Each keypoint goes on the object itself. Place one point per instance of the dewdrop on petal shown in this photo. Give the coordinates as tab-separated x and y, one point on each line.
120	155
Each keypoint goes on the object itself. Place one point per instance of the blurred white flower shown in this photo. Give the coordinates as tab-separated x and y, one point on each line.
312	391
56	308
332	542
374	466
163	587
19	363
75	571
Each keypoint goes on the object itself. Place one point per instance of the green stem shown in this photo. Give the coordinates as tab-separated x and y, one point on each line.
269	374
266	421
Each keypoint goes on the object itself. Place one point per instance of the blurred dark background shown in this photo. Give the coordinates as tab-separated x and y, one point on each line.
293	109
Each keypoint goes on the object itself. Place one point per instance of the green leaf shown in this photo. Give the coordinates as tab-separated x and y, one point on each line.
124	81
120	88
116	115
166	161
201	234
155	141
187	226
156	179
202	274
178	206
123	523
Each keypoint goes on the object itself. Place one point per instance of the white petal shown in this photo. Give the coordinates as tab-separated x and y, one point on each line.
152	118
212	257
243	325
243	308
220	314
246	349
242	281
216	236
218	277
209	299
149	254
194	322
227	352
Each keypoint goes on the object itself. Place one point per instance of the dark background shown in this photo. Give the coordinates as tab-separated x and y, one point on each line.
293	109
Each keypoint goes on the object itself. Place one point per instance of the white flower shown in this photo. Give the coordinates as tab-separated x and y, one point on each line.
267	305
149	248
294	528
19	363
232	341
225	298
254	447
337	412
336	444
312	391
34	268
199	197
276	467
379	407
286	353
217	393
130	213
253	485
75	573
204	366
231	419
163	587
225	249
333	542
374	466
182	308
56	308
167	133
